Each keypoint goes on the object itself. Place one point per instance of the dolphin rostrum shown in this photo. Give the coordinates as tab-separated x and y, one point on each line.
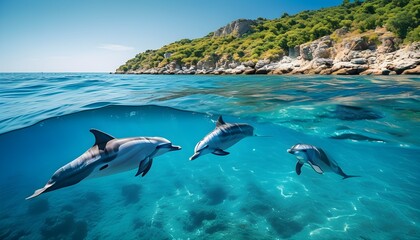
108	156
222	137
316	158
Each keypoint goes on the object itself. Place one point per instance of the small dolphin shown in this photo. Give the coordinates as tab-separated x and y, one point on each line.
316	158
222	137
108	156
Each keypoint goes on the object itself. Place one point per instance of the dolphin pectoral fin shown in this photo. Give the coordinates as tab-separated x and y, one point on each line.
196	155
103	167
315	167
141	167
220	152
175	148
299	167
144	166
149	165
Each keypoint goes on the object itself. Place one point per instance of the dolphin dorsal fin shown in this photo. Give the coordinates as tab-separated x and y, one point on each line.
101	137
220	122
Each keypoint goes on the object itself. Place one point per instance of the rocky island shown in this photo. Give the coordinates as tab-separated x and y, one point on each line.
371	37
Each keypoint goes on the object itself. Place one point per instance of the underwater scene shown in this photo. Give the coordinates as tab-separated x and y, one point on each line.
326	128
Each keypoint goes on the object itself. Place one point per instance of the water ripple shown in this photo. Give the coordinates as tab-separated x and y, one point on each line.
303	103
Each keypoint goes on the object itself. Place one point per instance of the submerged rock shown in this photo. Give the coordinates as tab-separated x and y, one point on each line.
92	197
38	207
286	228
215	195
197	217
258	208
352	113
131	193
153	233
12	233
218	227
67	208
64	227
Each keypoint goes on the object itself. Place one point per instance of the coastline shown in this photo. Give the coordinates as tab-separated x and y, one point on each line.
340	53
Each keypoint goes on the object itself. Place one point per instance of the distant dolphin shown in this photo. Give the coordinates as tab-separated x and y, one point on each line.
109	156
316	158
222	137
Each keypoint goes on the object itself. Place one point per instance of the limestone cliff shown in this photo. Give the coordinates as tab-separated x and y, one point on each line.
236	28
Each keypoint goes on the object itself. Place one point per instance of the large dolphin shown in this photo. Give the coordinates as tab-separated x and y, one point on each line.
222	137
316	158
107	156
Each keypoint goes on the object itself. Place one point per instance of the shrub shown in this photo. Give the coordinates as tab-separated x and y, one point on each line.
413	35
400	24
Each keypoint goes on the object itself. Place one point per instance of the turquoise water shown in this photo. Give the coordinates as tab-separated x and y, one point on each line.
369	125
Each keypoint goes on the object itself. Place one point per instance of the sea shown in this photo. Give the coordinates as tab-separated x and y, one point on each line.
369	125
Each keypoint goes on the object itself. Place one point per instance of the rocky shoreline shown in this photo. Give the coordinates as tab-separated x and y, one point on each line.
350	55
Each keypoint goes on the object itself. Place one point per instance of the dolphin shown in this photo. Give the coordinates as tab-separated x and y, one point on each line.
316	158
222	137
108	156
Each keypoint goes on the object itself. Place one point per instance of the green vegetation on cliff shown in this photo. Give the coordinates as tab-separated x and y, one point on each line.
271	39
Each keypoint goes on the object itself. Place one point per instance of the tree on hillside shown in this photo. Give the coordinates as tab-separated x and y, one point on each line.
346	3
400	24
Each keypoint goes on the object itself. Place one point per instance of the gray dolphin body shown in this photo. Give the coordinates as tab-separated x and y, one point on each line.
316	158
108	156
222	137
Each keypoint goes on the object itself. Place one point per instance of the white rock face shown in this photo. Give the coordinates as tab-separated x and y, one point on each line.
237	28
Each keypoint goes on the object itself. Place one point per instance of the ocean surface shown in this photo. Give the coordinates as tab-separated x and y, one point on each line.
369	125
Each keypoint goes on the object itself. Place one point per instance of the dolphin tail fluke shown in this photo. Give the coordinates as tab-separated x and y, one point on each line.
256	135
345	176
349	176
40	191
37	193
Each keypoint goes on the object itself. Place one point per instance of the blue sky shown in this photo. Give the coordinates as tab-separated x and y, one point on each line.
100	35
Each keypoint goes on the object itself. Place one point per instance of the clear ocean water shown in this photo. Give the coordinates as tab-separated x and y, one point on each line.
369	125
